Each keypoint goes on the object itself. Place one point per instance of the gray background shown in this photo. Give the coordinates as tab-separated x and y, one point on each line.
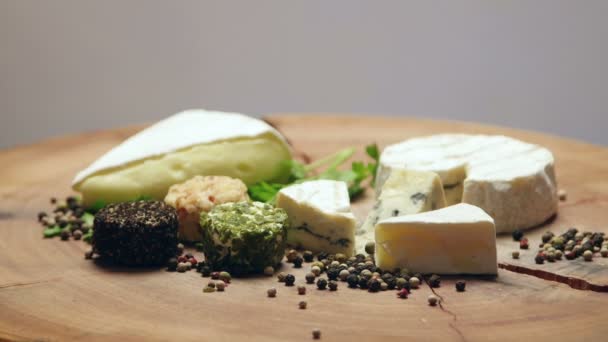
68	66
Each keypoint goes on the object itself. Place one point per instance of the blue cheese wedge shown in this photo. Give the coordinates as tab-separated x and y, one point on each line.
405	192
187	144
460	239
513	181
320	218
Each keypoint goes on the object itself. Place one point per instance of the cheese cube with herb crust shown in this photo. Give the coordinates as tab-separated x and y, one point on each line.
243	237
201	194
320	218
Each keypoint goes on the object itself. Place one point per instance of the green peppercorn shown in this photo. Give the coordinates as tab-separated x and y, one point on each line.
400	282
208	289
588	255
383	286
268	271
310	278
366	273
289	280
370	247
301	289
343	275
302	305
434	281
182	267
460	285
321	284
515	254
352	280
550	256
308	256
433	300
225	277
340	258
271	292
281	277
333	285
316	270
414	282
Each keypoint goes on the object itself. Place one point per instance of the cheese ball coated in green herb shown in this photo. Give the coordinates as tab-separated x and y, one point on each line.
243	237
136	233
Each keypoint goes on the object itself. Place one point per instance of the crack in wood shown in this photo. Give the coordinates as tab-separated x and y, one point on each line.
454	317
573	282
35	282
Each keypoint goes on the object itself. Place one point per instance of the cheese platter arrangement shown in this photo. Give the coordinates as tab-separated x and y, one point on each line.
210	225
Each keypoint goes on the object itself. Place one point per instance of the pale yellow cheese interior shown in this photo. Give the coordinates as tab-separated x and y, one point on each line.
249	159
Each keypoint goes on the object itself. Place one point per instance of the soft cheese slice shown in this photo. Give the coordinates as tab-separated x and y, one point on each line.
320	216
513	181
460	239
404	192
190	143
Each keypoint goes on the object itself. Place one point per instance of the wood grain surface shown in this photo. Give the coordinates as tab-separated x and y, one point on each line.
49	292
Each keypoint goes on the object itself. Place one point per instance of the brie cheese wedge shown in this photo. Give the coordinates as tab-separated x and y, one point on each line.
460	239
187	144
404	192
513	181
319	214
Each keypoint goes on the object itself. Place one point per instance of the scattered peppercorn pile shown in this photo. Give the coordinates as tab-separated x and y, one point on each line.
67	220
570	245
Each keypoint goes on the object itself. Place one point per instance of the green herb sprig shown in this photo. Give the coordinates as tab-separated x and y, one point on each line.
299	172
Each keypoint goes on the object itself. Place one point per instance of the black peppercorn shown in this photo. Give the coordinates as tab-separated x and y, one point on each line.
460	285
289	280
322	256
434	281
205	271
333	273
172	265
352	280
41	215
310	278
308	256
65	235
321	284
333	285
363	282
547	236
517	235
374	285
539	259
297	262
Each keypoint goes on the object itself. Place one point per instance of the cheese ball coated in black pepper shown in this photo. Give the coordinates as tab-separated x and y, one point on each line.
136	233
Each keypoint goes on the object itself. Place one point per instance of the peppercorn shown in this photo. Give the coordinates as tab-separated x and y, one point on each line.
316	270
211	283
180	248
88	254
289	280
193	261
352	280
182	267
271	292
340	257
370	247
316	334
343	275
539	259
297	262
308	256
550	256
547	236
321	256
588	255
434	281
517	235
302	305
558	254
332	273
403	293
433	300
515	254
570	255
400	282
523	243
281	277
604	252
562	194
301	289
310	278
414	282
65	235
460	285
225	276
366	273
374	285
182	258
333	285
208	289
321	284
220	286
77	234
383	286
291	255
205	271
172	265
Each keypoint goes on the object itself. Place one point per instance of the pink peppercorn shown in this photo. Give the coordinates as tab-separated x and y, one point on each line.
403	293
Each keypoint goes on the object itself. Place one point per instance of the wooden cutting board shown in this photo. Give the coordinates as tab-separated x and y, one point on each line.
48	292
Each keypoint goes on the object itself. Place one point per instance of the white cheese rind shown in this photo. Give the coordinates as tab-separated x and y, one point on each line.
320	218
460	239
182	130
405	192
511	180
